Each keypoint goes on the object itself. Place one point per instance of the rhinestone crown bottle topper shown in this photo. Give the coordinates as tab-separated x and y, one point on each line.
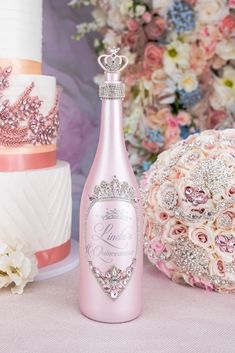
111	256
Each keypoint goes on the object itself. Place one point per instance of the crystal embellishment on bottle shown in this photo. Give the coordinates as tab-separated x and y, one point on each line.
114	280
111	238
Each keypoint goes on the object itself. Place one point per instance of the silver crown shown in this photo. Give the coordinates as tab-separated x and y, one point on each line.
113	190
112	63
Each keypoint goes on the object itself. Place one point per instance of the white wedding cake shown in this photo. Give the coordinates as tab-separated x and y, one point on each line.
35	196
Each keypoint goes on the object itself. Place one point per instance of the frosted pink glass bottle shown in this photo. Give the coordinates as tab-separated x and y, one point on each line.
111	240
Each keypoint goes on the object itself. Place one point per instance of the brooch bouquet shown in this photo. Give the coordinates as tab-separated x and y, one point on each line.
189	204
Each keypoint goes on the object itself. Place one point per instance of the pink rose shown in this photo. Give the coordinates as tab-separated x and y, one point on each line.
132	25
220	266
163	268
231	191
215	117
227	25
178	230
197	60
130	39
155	28
210	35
158	247
202	236
231	4
199	282
183	118
150	146
147	17
172	135
191	2
157	119
172	122
141	41
153	56
163	216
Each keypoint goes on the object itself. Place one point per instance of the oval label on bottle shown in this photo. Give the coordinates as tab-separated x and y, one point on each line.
112	239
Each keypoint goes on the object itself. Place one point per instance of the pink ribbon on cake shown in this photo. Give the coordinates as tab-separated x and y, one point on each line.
53	255
22	66
19	162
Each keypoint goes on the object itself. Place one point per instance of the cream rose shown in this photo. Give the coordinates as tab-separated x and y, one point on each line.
202	236
188	81
211	11
226	50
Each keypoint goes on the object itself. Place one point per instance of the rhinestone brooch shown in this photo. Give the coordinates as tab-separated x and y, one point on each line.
113	281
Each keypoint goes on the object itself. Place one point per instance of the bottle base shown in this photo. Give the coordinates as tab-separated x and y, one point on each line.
104	321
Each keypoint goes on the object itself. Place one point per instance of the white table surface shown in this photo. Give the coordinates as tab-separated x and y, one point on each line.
176	319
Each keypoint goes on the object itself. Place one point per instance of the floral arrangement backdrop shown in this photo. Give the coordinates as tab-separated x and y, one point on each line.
181	77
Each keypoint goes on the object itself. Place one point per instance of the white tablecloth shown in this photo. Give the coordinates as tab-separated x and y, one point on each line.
176	319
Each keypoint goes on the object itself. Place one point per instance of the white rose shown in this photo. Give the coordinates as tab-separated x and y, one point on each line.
162	6
130	56
124	6
188	81
115	19
140	10
226	49
99	16
211	11
111	39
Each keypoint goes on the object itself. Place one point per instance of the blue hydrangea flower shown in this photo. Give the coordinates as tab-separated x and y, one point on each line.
146	165
182	16
155	136
185	131
189	99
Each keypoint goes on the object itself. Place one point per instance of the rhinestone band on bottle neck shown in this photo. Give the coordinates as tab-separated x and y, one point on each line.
112	64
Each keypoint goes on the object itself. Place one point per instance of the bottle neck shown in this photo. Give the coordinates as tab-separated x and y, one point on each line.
111	138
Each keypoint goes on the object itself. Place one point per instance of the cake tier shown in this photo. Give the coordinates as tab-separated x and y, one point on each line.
28	121
21	32
35	208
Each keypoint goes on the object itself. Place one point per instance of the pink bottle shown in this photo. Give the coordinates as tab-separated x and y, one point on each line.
111	239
